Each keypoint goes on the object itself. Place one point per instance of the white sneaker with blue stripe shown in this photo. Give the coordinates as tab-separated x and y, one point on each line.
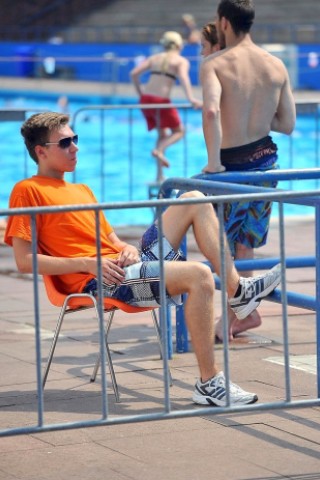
213	392
253	290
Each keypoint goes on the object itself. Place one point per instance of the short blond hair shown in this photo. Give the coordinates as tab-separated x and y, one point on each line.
171	40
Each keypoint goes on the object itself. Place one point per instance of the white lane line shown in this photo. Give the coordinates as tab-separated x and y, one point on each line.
306	363
29	330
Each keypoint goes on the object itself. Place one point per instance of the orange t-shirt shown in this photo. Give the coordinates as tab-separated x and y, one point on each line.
62	234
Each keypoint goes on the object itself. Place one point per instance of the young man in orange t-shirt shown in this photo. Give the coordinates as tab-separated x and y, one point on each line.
67	242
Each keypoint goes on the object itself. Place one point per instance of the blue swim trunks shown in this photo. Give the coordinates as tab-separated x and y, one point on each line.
247	223
141	287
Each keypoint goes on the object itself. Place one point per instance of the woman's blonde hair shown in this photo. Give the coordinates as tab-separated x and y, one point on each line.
171	40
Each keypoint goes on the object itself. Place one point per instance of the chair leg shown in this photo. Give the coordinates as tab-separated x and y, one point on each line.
109	359
54	343
97	365
158	331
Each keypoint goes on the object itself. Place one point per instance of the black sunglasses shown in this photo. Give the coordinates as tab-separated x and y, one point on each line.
65	142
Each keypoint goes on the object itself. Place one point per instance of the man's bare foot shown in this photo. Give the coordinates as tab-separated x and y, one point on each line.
237	326
160	157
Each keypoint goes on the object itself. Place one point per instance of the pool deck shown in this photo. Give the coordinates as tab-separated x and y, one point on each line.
65	87
271	445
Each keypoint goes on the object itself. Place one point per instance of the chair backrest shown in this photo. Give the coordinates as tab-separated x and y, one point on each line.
57	297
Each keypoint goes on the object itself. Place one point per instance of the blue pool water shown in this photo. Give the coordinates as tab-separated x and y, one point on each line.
123	157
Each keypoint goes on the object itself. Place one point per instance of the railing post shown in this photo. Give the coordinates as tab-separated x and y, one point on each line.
182	342
317	233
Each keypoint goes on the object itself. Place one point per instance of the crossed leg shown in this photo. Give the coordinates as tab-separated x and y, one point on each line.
195	278
202	218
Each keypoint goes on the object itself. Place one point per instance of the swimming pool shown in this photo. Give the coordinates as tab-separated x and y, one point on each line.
120	167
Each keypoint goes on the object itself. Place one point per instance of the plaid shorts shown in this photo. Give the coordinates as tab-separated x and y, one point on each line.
141	287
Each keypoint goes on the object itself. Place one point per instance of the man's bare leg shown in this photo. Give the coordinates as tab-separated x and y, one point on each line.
196	280
202	217
251	321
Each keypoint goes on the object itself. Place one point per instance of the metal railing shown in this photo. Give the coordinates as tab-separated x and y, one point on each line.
231	183
303	107
102	109
108	64
167	412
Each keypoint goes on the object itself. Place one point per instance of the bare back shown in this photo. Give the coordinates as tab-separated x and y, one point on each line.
165	68
252	86
165	63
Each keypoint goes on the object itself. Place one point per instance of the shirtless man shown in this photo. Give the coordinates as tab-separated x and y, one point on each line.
165	68
246	94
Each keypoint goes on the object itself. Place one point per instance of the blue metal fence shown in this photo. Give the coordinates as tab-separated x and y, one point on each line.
226	192
280	296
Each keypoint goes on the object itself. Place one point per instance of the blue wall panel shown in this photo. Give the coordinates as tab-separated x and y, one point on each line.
113	62
309	67
92	62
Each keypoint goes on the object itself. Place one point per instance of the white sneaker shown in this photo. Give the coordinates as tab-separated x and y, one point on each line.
213	392
253	290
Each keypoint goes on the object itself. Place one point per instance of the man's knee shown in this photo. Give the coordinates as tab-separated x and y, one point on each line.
198	208
202	278
192	194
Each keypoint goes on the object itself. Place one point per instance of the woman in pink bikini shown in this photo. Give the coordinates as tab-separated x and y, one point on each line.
165	68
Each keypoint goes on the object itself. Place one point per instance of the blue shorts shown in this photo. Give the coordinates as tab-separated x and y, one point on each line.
141	288
247	223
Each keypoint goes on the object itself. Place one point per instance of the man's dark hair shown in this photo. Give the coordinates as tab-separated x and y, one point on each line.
37	128
240	14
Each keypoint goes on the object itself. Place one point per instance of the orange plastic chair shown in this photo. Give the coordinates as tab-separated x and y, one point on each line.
75	302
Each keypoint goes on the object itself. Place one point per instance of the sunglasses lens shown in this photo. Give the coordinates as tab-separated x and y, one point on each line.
66	142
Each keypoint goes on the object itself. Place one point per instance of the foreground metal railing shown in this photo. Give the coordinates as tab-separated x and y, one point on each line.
167	412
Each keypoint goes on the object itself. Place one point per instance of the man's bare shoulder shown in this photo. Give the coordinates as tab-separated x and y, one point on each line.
214	57
260	52
212	62
251	53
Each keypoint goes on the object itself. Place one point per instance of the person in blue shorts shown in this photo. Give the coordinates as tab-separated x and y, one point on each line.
246	95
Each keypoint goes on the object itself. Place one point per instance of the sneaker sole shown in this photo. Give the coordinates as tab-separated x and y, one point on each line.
206	400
